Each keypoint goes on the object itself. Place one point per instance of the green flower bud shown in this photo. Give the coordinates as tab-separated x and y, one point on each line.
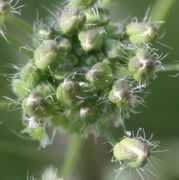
100	75
30	75
101	19
120	94
142	66
113	48
64	44
142	32
41	34
37	106
45	89
69	93
91	39
82	3
132	152
88	114
19	89
115	30
70	21
45	33
46	54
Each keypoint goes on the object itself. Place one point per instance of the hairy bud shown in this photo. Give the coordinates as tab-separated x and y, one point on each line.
70	21
37	106
69	93
100	75
142	32
132	152
46	54
91	39
30	75
101	19
120	94
142	66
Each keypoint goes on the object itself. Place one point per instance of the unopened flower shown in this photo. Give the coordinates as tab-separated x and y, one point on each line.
142	32
30	75
69	93
38	106
101	18
125	98
100	75
46	54
142	66
70	21
136	152
91	39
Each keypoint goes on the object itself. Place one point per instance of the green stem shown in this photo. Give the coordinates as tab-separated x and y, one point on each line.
72	156
109	136
161	9
169	67
19	23
19	45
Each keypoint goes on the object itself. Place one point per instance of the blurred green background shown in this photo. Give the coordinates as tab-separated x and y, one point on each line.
20	157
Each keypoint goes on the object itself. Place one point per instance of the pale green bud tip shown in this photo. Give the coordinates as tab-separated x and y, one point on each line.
70	21
91	39
100	75
82	3
142	66
46	54
132	152
120	94
142	32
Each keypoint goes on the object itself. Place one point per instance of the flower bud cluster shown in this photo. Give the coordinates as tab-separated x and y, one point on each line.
84	69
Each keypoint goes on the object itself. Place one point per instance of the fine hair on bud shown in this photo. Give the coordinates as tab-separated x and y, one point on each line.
137	152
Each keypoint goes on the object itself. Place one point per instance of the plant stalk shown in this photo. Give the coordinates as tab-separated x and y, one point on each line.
72	156
20	24
161	9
